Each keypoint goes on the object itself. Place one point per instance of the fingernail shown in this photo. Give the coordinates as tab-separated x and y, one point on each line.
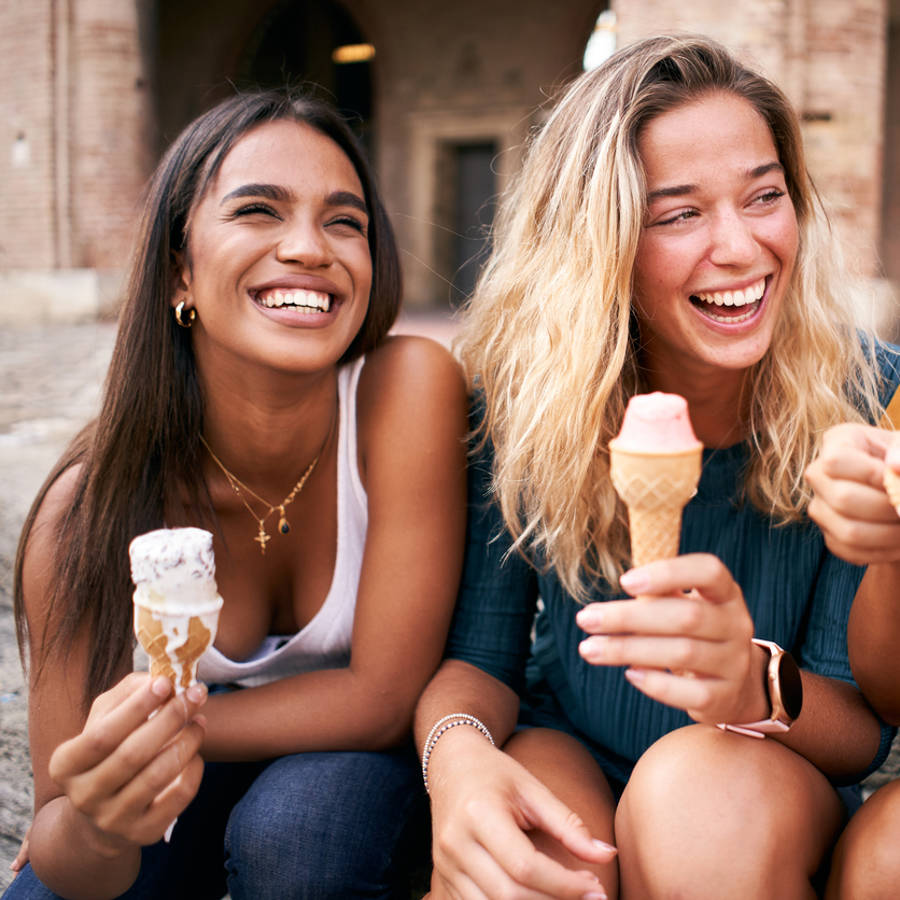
161	686
636	676
595	895
603	845
594	647
196	693
200	719
592	618
634	581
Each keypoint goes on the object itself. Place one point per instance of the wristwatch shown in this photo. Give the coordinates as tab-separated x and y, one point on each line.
785	690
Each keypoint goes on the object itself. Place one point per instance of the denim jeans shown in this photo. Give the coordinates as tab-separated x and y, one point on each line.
311	825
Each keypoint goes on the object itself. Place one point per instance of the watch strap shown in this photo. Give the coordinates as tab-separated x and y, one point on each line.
773	724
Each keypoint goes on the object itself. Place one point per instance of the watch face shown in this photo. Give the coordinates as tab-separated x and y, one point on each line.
791	686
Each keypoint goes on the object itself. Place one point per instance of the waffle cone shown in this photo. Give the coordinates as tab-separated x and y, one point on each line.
892	486
655	487
174	642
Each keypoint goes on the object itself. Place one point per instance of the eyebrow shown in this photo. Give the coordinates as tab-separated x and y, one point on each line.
679	190
283	195
269	191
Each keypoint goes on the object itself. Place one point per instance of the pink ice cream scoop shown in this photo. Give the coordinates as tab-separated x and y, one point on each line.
654	463
656	423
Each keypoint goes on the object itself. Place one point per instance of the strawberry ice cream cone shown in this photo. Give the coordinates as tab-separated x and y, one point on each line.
655	463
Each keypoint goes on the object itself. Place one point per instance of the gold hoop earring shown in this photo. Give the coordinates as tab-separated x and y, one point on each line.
179	315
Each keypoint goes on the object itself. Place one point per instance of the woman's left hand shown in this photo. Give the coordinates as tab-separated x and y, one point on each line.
849	503
686	641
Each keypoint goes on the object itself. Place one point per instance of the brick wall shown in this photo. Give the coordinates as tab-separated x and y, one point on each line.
76	131
111	128
92	88
27	232
830	59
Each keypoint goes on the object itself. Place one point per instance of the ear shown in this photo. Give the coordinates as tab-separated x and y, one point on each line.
180	287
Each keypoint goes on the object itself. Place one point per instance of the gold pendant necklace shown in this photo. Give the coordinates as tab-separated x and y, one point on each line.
238	486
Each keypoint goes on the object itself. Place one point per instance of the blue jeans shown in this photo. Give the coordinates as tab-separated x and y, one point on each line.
311	826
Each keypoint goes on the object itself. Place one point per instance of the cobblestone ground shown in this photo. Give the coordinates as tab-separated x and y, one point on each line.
50	384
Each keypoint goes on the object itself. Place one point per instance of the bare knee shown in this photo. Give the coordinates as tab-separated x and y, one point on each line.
866	864
708	814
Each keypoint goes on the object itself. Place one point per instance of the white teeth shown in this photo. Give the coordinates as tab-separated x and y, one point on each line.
305	301
735	298
731	320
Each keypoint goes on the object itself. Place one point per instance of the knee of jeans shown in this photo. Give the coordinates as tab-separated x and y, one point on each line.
330	842
26	886
303	857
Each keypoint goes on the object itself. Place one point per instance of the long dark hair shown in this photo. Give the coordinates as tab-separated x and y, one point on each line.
143	450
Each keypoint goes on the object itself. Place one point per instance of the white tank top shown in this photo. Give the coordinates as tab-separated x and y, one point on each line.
324	643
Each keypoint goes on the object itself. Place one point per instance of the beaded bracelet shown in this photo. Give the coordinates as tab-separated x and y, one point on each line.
440	728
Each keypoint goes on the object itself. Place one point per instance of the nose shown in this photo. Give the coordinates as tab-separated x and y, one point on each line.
732	240
305	243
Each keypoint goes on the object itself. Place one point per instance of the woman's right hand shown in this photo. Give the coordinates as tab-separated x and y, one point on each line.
135	765
483	805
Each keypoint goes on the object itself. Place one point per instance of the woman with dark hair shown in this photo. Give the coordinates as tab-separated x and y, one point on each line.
253	391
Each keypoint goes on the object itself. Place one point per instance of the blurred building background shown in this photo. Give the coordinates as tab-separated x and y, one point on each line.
443	94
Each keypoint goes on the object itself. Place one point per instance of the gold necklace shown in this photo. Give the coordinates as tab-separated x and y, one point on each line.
262	538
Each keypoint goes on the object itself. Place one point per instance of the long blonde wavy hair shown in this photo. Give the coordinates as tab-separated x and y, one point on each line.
549	337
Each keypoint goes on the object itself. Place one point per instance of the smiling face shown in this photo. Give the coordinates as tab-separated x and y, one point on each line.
719	241
278	264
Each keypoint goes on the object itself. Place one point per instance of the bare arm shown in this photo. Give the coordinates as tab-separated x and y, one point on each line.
873	639
860	525
483	802
105	786
412	424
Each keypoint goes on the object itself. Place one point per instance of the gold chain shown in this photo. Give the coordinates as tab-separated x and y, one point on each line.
238	486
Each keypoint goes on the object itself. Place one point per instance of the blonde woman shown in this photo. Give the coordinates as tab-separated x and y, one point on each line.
663	235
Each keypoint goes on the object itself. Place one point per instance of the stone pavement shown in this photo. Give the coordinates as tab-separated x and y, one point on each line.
50	384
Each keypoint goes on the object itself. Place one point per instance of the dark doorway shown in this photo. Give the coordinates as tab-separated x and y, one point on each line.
298	43
467	190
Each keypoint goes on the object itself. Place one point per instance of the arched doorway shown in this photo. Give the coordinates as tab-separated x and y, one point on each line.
317	45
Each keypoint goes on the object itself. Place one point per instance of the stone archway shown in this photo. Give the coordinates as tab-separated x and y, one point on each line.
318	45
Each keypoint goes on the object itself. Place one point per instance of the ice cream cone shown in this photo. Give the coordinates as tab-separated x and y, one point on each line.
892	486
655	463
655	488
175	641
176	603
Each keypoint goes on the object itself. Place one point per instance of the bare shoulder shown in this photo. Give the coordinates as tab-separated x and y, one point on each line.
409	373
412	397
410	357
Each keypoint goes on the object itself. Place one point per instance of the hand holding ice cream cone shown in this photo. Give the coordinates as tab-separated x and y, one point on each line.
856	492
